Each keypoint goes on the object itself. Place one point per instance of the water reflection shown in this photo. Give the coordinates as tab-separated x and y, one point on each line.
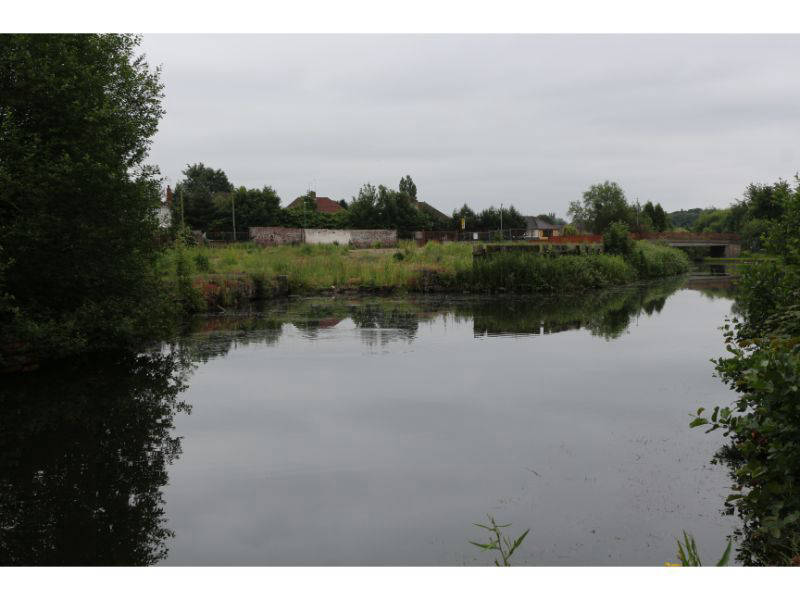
84	448
604	313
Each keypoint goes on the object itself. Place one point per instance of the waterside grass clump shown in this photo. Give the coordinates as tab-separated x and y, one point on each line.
657	260
529	272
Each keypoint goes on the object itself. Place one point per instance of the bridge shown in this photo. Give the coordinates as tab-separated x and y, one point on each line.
726	245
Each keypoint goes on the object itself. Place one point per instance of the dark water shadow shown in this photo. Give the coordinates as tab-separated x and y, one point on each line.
84	450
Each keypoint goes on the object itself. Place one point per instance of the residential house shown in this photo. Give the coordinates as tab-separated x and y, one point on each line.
539	228
164	213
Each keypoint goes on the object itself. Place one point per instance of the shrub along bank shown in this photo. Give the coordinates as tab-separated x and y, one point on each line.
527	272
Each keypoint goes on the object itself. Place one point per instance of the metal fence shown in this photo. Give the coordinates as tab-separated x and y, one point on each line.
497	235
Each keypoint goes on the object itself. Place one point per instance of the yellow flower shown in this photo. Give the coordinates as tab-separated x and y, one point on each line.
669	564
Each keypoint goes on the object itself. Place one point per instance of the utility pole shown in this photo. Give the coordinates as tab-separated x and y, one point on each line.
501	221
233	213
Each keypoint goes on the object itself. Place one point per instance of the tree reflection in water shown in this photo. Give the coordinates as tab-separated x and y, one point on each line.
84	448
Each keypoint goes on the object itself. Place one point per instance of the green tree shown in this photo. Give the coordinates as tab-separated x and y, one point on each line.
660	218
490	219
469	216
254	208
363	210
767	201
684	218
395	210
408	187
602	205
194	194
570	230
77	202
783	237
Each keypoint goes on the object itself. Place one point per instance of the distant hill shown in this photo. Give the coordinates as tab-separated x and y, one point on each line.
685	218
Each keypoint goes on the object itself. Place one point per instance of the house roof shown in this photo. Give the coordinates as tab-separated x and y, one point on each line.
434	212
537	223
324	204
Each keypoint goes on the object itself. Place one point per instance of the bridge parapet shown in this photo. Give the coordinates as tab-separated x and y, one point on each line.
687	236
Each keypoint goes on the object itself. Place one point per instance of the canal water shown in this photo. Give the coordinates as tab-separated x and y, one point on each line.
376	431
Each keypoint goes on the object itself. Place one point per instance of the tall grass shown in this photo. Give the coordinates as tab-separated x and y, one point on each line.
442	267
319	267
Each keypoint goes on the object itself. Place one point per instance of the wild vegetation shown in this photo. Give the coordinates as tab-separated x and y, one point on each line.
77	200
311	268
439	267
527	272
499	543
762	427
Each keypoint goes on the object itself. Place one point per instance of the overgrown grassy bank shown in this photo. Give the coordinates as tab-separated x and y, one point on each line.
227	276
310	268
526	272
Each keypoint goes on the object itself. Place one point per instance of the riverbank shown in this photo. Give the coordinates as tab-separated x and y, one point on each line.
228	277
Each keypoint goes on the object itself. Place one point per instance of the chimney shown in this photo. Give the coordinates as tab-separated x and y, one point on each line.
169	197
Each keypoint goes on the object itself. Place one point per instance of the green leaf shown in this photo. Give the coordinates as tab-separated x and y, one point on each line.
698	421
483	546
726	556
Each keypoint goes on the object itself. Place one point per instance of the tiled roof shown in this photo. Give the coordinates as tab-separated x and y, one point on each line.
537	223
433	211
324	204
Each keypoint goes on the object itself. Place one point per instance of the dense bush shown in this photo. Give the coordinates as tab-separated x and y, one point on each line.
527	272
616	239
655	260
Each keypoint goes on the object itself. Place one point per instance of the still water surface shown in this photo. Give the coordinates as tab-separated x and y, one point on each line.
376	431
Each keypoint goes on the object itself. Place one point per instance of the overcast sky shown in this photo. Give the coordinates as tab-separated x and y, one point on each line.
532	120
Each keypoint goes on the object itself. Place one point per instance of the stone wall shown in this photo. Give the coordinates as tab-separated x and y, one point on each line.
276	236
364	238
360	238
327	236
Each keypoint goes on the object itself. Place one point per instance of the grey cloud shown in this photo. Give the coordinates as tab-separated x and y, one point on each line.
530	120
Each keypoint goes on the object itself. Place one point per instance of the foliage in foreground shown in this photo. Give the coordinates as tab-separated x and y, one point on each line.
499	543
763	424
77	202
689	557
